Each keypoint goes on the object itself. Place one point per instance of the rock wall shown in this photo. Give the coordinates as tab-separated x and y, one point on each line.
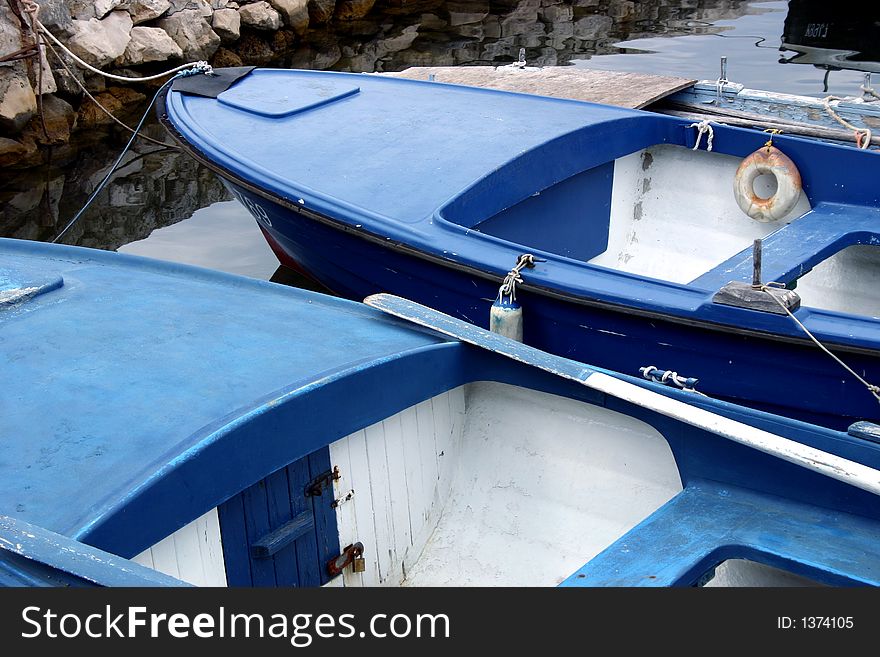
41	104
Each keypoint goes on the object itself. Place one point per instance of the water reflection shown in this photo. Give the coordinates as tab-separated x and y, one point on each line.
154	187
157	189
832	36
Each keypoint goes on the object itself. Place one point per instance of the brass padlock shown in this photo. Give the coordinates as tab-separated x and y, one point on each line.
359	564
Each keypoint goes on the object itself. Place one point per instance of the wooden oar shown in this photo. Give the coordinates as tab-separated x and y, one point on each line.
850	472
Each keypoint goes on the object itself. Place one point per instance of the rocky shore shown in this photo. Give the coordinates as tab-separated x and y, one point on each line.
42	106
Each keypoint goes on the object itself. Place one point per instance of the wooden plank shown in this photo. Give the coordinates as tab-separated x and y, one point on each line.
307	559
272	545
22	545
165	557
236	555
427	442
212	549
327	533
634	90
413	471
256	520
190	567
380	494
398	486
346	516
362	503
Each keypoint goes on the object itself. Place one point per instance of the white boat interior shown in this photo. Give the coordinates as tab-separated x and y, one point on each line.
484	485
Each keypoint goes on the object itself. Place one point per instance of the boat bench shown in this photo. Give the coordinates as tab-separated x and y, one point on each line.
707	524
796	248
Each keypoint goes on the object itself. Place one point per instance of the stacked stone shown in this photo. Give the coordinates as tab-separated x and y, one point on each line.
138	37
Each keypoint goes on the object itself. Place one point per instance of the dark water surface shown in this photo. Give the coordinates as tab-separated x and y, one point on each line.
164	205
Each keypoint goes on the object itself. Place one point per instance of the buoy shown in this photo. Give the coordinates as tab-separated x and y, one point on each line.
505	318
506	315
767	160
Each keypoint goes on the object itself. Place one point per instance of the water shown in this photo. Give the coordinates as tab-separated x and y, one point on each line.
163	205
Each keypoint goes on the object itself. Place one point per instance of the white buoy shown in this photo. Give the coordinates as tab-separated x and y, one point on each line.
506	318
506	315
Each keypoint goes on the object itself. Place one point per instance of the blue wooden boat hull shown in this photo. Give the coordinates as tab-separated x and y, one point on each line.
615	337
177	392
327	206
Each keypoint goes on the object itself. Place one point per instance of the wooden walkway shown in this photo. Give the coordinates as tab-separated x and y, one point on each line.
634	90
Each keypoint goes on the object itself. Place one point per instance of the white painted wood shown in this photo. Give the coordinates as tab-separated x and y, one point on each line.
846	282
380	499
413	471
830	465
400	483
744	573
193	553
674	216
543	484
362	503
428	445
346	517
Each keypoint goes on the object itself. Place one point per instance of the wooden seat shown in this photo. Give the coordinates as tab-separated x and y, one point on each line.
796	248
707	524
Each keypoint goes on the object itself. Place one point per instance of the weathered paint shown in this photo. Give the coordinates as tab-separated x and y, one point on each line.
31	555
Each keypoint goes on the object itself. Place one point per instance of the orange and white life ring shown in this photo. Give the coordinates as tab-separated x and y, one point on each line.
767	160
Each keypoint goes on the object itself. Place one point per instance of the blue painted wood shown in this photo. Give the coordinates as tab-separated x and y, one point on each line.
233	535
574	217
309	565
256	522
191	367
24	282
284	536
272	530
708	523
244	379
327	533
281	518
360	234
797	247
31	556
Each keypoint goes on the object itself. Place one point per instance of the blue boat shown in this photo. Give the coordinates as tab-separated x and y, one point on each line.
642	226
173	425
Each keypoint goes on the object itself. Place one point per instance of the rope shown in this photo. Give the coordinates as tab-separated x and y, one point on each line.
99	105
202	67
870	91
874	390
702	128
769	143
32	8
116	164
863	135
508	286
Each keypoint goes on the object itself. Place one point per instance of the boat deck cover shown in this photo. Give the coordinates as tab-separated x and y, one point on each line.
131	365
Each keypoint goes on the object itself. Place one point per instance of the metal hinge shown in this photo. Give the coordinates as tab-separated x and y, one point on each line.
324	480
